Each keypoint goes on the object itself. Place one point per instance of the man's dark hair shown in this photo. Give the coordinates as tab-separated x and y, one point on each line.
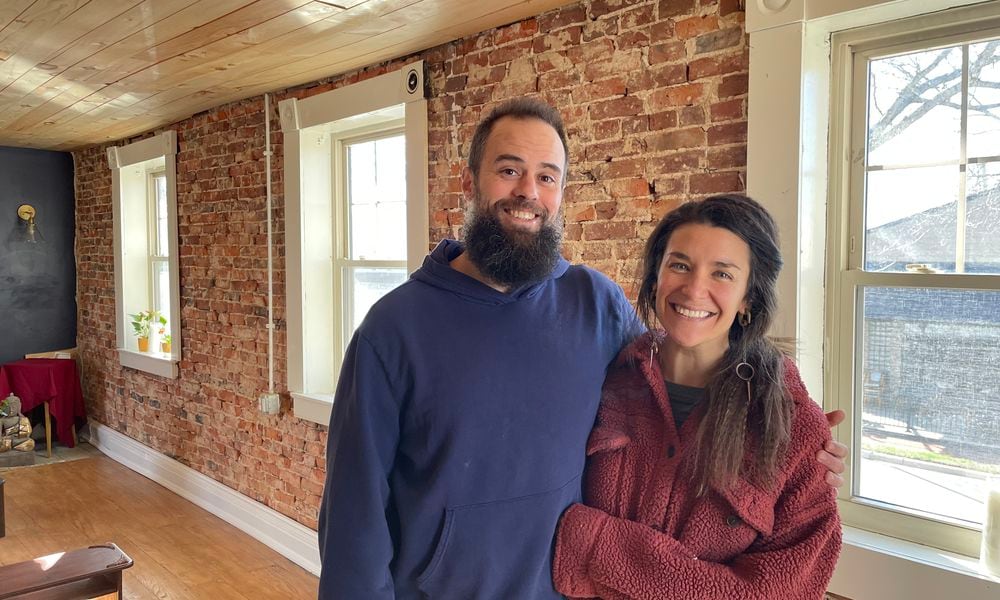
518	108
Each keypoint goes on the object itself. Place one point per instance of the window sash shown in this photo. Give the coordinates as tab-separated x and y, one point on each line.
862	57
157	242
343	290
846	321
342	205
154	242
155	264
866	513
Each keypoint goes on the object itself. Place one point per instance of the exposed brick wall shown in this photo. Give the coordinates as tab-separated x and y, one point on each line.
207	418
654	98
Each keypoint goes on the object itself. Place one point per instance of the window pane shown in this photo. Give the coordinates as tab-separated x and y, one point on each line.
931	398
984	99
912	99
377	199
365	286
982	234
160	189
910	219
161	287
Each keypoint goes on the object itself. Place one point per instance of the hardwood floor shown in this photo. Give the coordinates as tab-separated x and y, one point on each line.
180	550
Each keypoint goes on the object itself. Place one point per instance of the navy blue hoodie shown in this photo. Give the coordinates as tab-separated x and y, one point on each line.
458	433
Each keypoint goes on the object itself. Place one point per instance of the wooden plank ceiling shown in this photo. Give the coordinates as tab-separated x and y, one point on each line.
75	73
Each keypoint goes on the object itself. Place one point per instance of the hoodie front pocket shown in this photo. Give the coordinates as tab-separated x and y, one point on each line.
500	549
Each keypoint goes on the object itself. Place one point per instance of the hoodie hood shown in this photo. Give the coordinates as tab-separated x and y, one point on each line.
437	271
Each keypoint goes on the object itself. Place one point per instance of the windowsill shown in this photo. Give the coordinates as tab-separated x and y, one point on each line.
156	363
877	566
313	407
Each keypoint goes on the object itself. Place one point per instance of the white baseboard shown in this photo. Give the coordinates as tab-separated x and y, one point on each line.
291	539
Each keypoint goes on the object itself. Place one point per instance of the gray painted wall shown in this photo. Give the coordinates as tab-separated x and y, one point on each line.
37	281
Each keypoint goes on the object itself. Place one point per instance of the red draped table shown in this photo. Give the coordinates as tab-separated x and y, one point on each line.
52	380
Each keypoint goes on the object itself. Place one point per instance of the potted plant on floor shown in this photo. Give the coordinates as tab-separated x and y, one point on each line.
142	324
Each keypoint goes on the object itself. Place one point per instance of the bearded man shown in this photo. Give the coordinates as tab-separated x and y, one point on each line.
467	395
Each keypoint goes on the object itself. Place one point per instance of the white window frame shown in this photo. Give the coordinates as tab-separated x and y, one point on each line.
852	50
155	154
791	170
313	128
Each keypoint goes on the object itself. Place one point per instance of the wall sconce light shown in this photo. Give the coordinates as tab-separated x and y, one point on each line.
31	234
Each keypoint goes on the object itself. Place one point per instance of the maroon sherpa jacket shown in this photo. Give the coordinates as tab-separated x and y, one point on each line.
643	533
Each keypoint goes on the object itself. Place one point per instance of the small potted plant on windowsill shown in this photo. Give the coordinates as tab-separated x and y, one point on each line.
142	323
164	342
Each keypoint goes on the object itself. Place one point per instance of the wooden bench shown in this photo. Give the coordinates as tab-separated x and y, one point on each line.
83	573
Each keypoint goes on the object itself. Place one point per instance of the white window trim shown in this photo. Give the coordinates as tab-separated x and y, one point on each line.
162	145
313	407
405	86
788	170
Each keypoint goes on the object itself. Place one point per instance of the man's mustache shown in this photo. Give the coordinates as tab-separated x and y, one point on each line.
521	204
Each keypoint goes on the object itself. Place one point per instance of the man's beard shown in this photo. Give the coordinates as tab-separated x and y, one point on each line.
510	258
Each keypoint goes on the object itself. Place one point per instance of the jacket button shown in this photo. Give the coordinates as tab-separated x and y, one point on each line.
733	521
671	451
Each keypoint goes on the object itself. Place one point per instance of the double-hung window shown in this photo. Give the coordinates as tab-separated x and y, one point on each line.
370	208
915	271
356	214
147	298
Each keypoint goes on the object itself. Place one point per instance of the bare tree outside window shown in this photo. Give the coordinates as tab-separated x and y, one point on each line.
931	80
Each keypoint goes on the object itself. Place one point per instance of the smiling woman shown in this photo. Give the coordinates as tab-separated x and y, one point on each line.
728	265
737	502
701	287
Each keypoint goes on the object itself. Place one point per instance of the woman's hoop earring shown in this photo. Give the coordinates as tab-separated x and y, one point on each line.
744	319
745	371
